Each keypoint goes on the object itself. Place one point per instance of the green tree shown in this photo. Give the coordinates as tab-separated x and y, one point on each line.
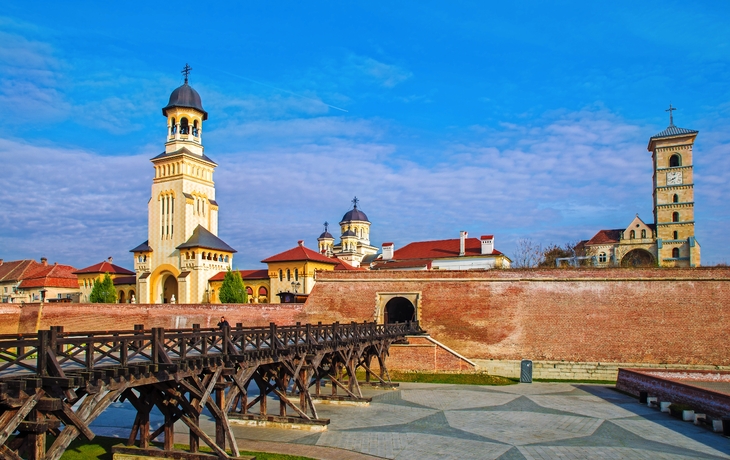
103	291
233	290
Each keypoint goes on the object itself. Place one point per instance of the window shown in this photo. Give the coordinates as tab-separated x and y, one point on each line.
676	235
675	253
281	275
675	198
675	160
643	233
195	128
602	257
632	234
675	217
288	274
173	127
296	274
184	128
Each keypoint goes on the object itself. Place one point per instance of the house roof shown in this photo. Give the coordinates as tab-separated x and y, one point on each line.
394	264
125	280
606	237
202	238
55	275
261	274
441	249
15	270
105	267
301	253
144	247
344	266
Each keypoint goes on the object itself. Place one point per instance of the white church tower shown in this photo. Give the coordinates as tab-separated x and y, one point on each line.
183	250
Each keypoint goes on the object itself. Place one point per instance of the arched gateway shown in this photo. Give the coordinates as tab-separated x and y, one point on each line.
399	310
638	258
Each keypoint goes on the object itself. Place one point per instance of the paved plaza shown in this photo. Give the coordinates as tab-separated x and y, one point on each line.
525	421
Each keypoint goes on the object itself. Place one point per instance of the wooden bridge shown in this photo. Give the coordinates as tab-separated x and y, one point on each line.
57	383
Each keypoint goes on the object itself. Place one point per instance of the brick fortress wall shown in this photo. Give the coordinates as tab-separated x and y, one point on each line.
588	316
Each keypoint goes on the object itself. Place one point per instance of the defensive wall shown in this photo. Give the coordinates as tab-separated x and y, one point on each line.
573	323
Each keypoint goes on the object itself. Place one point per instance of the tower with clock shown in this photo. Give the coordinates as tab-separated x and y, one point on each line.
672	159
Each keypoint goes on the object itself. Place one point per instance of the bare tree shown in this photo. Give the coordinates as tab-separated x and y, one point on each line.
527	255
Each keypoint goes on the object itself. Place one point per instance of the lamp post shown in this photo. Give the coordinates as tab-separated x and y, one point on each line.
296	285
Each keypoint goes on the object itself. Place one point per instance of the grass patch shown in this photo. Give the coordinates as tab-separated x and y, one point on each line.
597	382
458	379
100	449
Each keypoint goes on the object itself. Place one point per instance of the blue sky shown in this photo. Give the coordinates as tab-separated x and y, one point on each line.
526	121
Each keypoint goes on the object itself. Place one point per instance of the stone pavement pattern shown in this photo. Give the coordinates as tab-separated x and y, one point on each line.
525	421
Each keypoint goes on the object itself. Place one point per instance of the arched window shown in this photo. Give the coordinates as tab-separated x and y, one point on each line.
288	274
195	128
632	234
643	233
676	235
296	274
675	253
675	217
675	198
173	127
281	275
226	260
184	128
675	160
602	257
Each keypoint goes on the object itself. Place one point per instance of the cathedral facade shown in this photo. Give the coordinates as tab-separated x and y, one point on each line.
182	251
670	240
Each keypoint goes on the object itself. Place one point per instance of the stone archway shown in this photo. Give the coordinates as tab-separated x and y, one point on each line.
399	310
168	288
121	297
638	258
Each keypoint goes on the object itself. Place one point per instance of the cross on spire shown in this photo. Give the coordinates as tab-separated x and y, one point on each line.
670	110
326	224
186	71
355	201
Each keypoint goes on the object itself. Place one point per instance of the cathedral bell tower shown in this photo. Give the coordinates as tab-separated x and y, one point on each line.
672	152
182	251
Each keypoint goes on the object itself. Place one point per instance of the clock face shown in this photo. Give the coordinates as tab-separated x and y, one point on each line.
674	178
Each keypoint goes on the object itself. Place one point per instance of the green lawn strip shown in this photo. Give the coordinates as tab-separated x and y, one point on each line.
101	447
458	379
596	382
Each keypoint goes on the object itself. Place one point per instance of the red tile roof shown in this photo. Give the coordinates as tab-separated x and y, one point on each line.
105	267
15	270
125	280
245	274
300	253
393	264
55	275
605	237
342	265
440	249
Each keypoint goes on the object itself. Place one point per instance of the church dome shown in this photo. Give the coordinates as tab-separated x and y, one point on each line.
185	96
349	231
326	234
355	214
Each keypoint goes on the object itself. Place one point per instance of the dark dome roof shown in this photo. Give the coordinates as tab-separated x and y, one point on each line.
185	96
355	214
349	231
326	235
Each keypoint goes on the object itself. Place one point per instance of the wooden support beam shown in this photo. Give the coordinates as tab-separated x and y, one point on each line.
201	434
9	454
69	417
10	419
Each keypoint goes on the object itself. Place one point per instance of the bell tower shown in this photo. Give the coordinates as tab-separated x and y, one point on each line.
672	155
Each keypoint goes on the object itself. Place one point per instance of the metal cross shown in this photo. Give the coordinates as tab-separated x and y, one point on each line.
325	225
671	118
186	71
355	201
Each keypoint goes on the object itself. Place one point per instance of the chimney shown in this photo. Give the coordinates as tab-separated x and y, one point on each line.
44	261
487	244
109	259
300	243
388	250
462	242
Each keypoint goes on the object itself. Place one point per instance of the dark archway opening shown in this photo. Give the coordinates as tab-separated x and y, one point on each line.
638	258
169	289
399	310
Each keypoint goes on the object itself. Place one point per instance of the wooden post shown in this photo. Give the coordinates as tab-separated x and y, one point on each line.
220	429
42	356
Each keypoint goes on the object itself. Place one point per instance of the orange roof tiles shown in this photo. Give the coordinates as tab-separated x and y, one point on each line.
245	274
440	249
55	275
105	267
605	237
15	270
300	253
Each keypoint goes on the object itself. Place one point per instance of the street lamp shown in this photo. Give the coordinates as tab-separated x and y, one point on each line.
295	285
